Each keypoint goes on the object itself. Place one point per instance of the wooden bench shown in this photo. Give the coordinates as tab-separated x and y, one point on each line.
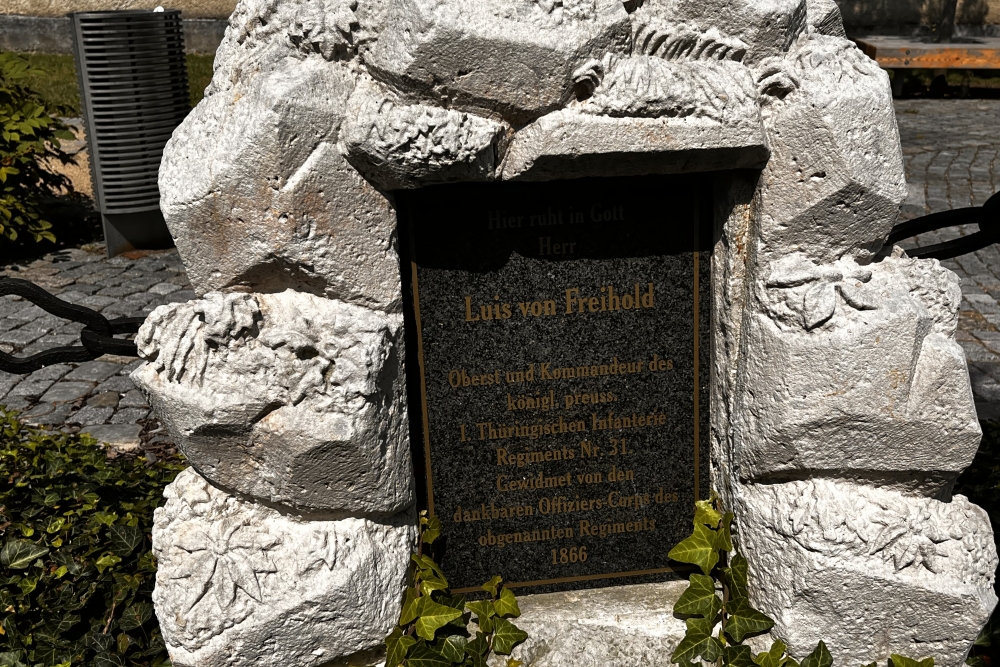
903	53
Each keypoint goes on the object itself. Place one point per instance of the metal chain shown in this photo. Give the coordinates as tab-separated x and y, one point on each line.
97	337
986	216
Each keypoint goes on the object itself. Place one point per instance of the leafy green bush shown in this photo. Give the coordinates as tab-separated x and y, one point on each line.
29	138
76	571
432	630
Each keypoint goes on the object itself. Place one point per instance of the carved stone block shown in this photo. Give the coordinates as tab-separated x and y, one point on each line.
518	58
288	397
239	584
835	561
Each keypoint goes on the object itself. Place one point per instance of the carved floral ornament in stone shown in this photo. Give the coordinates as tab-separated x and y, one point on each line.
841	406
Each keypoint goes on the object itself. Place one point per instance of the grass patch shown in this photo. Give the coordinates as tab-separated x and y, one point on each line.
54	77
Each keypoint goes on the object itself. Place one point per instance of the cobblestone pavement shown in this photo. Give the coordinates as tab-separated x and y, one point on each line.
952	154
97	396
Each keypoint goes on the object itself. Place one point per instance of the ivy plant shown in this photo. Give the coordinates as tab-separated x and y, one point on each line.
29	145
433	628
76	570
718	596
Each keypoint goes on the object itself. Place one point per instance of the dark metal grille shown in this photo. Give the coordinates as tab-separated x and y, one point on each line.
134	89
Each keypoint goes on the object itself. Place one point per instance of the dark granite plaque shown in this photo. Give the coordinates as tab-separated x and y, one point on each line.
558	357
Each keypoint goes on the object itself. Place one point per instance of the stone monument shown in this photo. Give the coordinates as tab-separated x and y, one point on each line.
338	135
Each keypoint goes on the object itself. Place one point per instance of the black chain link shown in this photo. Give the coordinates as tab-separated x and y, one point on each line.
97	337
986	216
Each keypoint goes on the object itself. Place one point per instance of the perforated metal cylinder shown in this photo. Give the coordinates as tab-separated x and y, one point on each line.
134	93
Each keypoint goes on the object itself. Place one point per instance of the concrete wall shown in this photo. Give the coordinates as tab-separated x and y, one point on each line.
900	13
192	9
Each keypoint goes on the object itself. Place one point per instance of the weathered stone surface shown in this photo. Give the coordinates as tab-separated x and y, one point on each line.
765	27
648	115
398	145
518	58
834	561
619	626
835	179
858	374
238	582
288	397
824	16
258	197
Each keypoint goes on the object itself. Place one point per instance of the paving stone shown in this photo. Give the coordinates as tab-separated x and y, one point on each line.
94	371
54	372
164	288
31	390
22	336
129	415
133	399
27	313
67	392
56	416
8	381
15	402
7	323
105	399
120	436
98	301
90	415
126	288
119	383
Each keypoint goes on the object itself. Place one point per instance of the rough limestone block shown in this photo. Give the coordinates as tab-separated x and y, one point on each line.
835	179
519	58
856	373
239	584
398	145
618	626
765	28
824	16
258	198
288	397
647	116
867	570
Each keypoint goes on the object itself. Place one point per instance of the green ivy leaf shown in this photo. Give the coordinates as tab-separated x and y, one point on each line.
706	514
506	605
124	539
698	641
744	620
484	611
491	585
431	616
106	561
896	660
699	598
698	549
820	657
506	636
735	577
480	645
396	646
724	538
408	614
431	584
452	647
135	615
432	529
19	554
737	656
108	660
772	657
422	655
